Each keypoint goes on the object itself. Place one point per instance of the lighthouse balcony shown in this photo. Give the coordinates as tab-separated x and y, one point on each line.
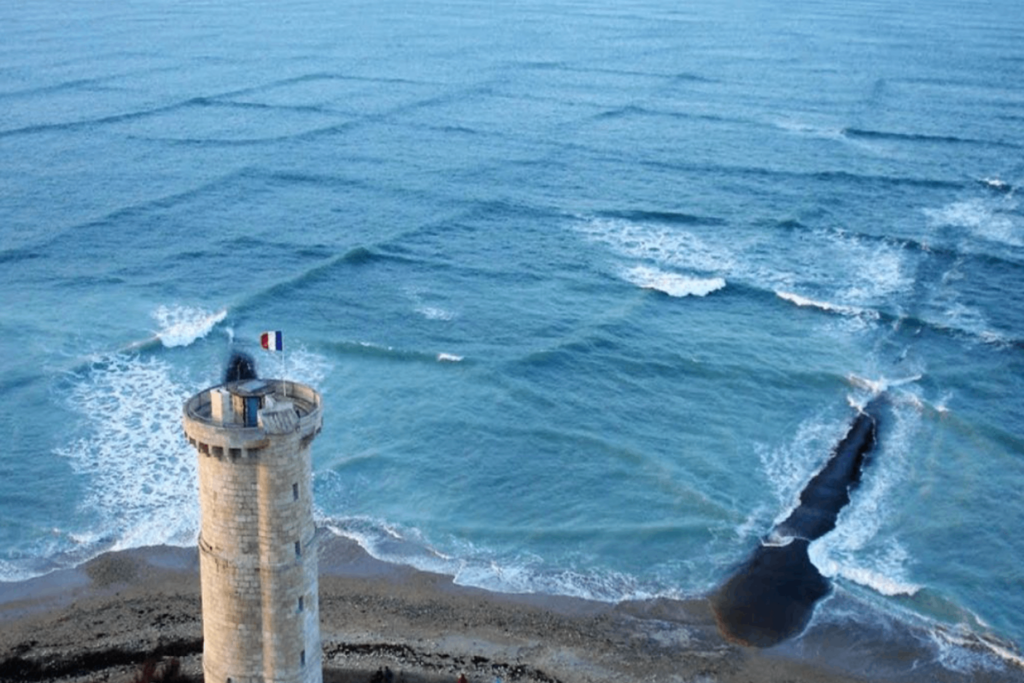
242	415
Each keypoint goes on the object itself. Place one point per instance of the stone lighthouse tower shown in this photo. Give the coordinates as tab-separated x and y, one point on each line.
257	552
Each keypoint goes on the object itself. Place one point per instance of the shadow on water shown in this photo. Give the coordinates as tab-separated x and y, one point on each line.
772	595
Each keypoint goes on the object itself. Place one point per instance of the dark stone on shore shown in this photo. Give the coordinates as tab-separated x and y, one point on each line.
772	596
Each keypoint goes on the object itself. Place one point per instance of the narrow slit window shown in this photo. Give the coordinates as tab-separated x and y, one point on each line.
301	603
298	549
295	491
302	658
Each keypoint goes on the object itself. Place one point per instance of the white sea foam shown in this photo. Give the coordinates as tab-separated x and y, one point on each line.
423	306
435	313
182	325
981	218
776	540
528	575
673	284
884	576
967	652
662	245
997	184
752	525
953	313
855	275
877	386
878	271
298	364
472	566
858	549
141	472
805	302
811	130
851	275
448	358
389	543
789	466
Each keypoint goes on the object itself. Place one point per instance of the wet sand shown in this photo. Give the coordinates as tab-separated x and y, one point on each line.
100	622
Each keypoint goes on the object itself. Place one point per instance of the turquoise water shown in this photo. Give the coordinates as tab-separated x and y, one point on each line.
590	289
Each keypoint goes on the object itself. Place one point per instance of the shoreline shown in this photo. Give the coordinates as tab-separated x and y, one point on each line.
101	620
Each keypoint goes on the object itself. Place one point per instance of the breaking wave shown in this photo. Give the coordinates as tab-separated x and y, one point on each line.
673	284
182	325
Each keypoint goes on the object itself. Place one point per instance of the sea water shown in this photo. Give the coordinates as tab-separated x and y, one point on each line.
590	289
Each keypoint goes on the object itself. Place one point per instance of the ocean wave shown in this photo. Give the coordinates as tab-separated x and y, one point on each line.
121	117
354	257
629	110
673	284
919	137
997	185
381	351
18	254
74	84
390	543
478	567
846	178
867	272
805	302
669	217
884	576
872	277
182	325
685	77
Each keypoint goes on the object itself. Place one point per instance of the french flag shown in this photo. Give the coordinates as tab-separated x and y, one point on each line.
271	341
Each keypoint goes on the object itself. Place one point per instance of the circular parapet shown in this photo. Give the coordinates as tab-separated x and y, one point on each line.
241	415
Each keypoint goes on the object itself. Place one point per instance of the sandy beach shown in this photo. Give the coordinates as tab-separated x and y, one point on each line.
101	621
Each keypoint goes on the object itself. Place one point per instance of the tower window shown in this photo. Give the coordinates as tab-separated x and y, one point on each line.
301	600
295	491
298	549
302	658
